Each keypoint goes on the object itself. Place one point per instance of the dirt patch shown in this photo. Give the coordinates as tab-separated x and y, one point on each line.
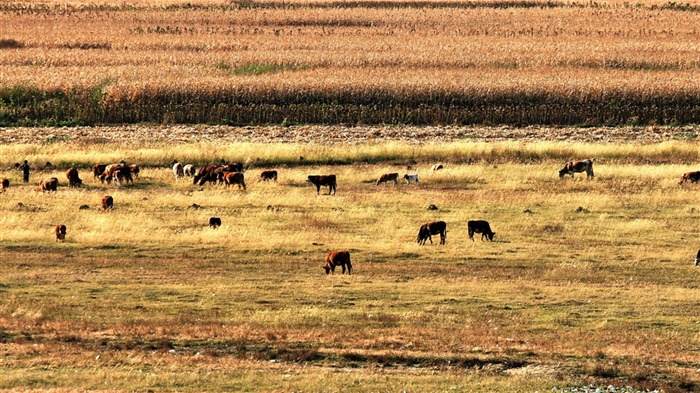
342	135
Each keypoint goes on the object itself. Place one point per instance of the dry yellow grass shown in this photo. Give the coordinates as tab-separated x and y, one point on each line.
147	296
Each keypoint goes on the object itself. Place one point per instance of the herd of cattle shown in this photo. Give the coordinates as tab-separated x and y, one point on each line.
232	174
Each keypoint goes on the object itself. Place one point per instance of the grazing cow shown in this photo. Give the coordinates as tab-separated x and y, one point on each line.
124	174
214	222
572	167
178	171
60	233
411	178
482	227
189	170
432	228
436	167
268	175
692	177
98	169
387	177
234	178
337	258
323	180
206	173
107	202
4	184
135	170
73	179
235	167
48	184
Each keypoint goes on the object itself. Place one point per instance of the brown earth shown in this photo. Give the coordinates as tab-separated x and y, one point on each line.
341	134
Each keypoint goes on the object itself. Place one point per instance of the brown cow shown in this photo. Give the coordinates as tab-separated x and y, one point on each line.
572	167
107	202
234	178
692	177
73	179
98	170
337	258
323	180
60	233
4	184
387	177
268	175
432	228
207	173
135	170
48	184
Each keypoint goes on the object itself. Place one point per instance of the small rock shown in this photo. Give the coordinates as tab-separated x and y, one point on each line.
432	207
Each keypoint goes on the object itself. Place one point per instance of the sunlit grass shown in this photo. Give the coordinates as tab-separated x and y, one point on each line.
581	274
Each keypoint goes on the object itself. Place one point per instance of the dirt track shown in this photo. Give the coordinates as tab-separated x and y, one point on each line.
340	134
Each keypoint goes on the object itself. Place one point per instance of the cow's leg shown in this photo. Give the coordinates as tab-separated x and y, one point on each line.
318	189
343	266
430	238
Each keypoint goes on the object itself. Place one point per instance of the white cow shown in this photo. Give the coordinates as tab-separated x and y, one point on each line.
177	170
189	170
411	178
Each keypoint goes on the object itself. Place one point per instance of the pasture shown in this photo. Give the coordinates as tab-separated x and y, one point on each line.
586	281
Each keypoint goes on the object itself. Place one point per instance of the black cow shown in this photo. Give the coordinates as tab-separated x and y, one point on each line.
323	180
482	227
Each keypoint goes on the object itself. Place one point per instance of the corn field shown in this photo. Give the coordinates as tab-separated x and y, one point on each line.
358	62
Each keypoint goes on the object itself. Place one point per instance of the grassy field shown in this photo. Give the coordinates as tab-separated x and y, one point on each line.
351	62
587	281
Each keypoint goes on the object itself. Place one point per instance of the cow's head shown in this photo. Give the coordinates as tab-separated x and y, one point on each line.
697	262
491	235
327	268
563	172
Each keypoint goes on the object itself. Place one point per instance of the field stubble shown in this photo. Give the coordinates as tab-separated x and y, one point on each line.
587	281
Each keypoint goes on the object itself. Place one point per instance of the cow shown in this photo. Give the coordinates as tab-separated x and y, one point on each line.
4	184
337	258
107	202
48	184
387	177
482	227
234	178
235	167
572	167
411	178
214	222
135	170
60	233
178	171
189	170
73	179
432	228
268	175
692	177
98	170
206	173
436	167
323	180
124	174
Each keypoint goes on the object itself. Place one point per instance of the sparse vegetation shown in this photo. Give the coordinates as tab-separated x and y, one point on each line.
148	297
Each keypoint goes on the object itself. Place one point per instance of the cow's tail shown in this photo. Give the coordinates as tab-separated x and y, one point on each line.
349	265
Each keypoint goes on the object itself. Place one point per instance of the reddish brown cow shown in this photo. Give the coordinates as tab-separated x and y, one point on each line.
98	170
432	228
60	233
135	170
234	178
4	185
207	173
73	179
692	177
572	167
268	175
323	180
387	177
49	184
337	258
107	202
